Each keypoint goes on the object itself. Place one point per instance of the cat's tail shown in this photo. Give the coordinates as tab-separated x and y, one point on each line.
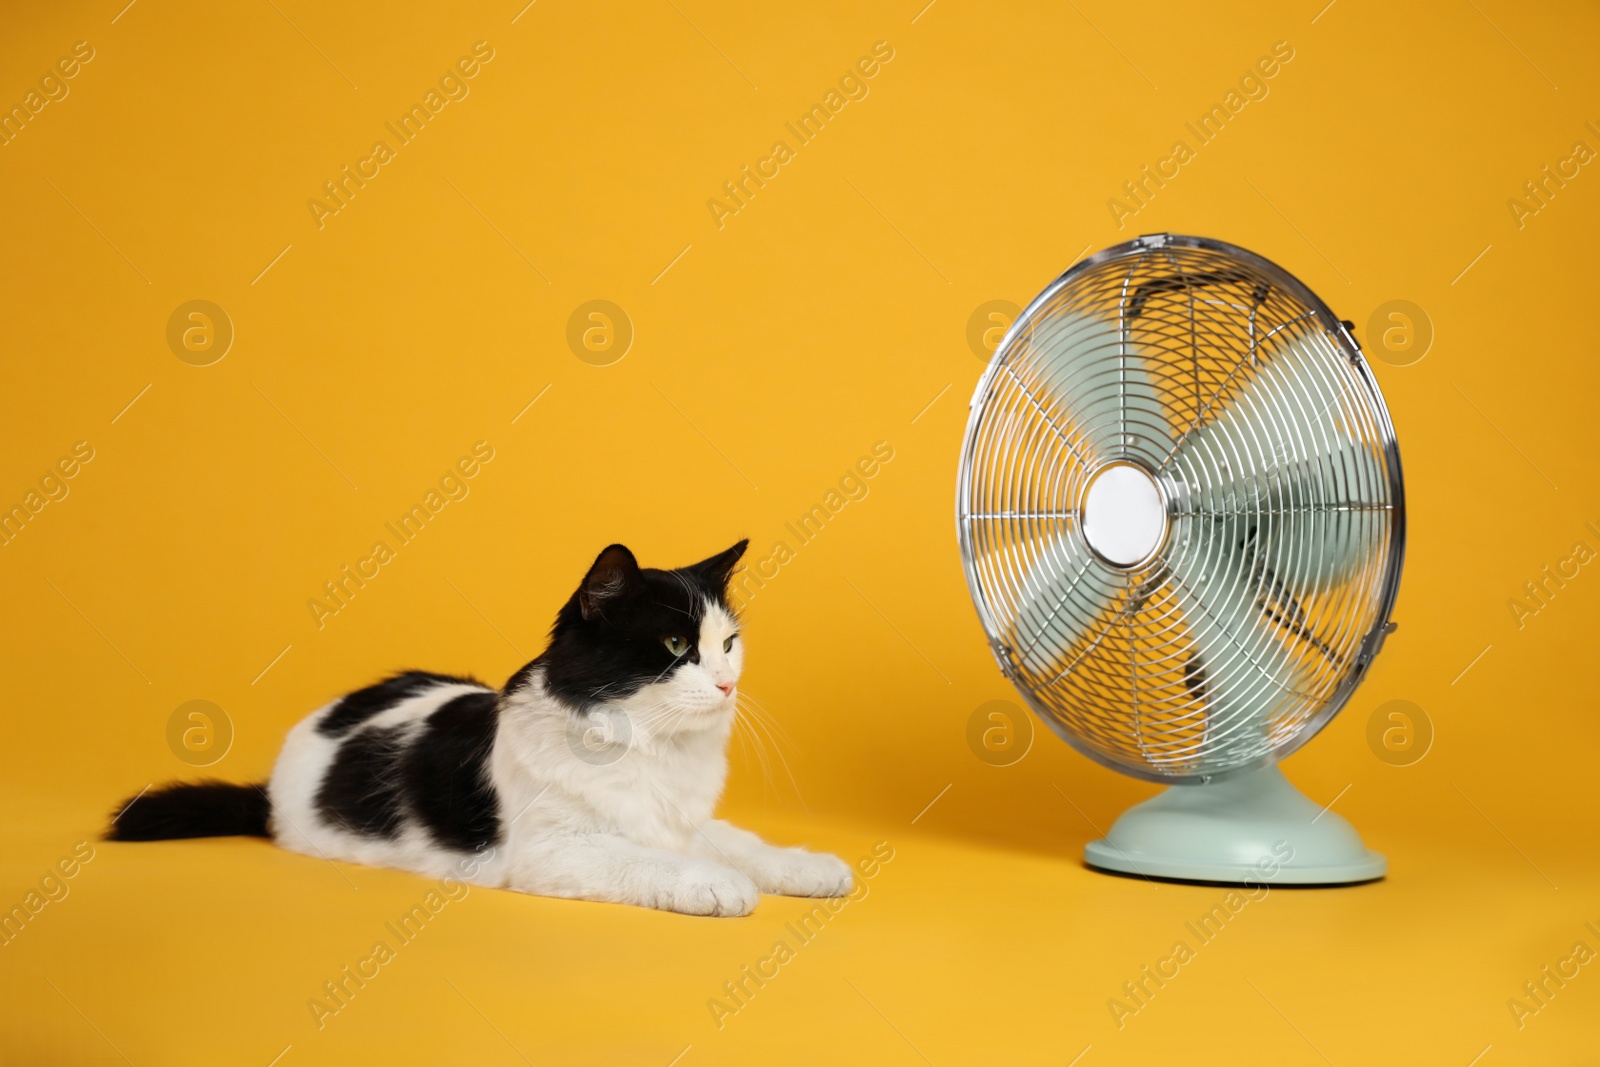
193	809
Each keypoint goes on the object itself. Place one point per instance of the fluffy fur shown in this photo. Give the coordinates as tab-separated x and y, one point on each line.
592	774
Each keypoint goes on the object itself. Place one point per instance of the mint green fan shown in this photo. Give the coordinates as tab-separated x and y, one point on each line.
1182	519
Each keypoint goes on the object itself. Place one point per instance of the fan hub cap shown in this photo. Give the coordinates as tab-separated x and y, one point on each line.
1124	516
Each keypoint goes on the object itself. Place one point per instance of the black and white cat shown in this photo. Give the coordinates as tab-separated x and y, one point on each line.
592	774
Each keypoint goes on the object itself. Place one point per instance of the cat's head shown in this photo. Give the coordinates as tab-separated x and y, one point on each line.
664	643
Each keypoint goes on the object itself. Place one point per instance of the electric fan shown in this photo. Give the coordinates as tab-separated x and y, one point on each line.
1182	520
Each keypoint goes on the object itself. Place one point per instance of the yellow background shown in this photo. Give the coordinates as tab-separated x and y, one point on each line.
769	355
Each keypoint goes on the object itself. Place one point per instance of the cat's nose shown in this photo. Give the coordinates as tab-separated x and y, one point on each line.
727	688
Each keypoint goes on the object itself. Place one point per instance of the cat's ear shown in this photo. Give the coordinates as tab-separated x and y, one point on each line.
613	577
716	571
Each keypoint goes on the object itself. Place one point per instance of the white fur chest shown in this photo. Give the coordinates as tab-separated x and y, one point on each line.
607	772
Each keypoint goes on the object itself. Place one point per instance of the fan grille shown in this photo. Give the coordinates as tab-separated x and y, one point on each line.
1239	392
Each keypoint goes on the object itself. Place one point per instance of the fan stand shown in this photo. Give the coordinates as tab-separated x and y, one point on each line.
1251	828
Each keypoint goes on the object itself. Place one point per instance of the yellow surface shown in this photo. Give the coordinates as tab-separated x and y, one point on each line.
769	354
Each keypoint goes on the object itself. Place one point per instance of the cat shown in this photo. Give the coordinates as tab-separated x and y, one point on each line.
591	775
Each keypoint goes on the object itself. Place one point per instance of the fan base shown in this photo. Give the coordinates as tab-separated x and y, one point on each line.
1250	829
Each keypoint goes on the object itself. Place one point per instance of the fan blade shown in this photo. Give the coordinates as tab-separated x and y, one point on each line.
1315	500
1324	519
1093	388
1243	670
1051	606
1095	381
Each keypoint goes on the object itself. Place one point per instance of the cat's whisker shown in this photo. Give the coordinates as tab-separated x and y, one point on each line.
763	720
769	722
762	734
688	589
738	734
758	708
760	749
674	607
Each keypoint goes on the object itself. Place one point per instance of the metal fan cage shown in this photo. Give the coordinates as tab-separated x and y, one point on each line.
1205	318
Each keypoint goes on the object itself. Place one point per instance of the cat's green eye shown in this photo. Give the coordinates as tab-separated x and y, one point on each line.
727	646
677	645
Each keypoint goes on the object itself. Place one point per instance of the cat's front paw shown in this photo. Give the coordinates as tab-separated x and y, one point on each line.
710	889
798	873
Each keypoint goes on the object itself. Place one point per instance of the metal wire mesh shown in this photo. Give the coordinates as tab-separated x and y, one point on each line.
1239	392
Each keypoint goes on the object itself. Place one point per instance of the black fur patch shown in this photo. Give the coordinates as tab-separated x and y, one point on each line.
361	790
446	773
192	809
363	704
609	639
